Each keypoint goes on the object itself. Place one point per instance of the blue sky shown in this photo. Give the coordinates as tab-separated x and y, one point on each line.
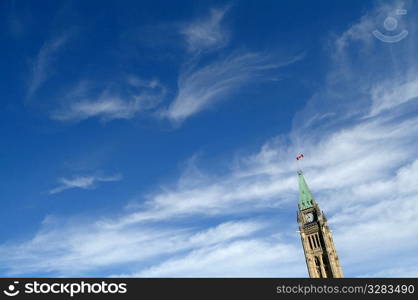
159	138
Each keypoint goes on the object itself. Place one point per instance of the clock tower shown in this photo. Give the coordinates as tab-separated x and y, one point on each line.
320	253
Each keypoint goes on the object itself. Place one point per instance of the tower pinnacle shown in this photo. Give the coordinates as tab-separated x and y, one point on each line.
305	195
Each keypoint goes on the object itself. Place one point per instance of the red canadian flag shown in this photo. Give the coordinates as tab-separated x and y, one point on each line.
299	157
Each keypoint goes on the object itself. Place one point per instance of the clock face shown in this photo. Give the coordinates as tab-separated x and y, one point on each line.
309	217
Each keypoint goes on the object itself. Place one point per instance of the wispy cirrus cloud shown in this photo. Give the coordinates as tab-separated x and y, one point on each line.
269	258
200	87
128	246
82	182
138	96
206	33
107	108
41	68
393	94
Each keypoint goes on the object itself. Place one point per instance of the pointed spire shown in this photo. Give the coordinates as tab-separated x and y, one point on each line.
305	195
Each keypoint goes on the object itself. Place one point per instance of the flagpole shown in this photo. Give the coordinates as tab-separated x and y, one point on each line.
298	165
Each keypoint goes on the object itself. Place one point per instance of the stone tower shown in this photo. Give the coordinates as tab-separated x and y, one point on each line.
320	254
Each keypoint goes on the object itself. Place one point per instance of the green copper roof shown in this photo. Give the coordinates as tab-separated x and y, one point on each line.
305	195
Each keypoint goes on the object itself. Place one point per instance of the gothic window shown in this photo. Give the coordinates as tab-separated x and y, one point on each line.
317	240
326	266
318	267
310	242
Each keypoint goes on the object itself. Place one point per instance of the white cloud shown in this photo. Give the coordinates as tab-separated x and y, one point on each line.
41	68
138	96
247	258
88	246
207	33
107	108
377	237
392	94
408	272
83	182
359	33
201	87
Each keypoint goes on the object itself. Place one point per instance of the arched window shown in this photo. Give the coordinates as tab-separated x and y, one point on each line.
318	267
326	266
317	240
310	242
